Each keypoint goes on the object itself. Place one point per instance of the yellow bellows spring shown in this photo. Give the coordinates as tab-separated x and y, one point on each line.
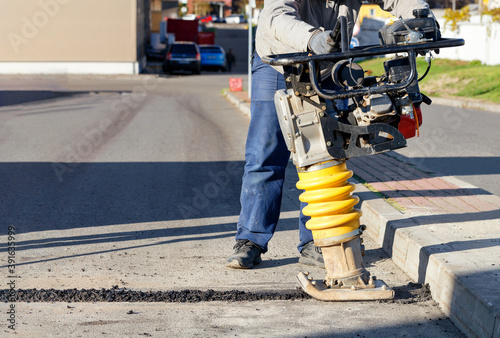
330	203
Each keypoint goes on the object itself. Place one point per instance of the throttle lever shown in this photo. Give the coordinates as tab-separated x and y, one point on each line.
427	100
335	34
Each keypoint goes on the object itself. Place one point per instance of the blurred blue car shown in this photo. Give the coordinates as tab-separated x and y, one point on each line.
213	57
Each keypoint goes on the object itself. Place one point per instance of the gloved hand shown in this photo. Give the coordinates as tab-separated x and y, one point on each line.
322	43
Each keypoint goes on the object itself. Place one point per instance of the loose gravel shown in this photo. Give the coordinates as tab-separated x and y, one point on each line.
407	294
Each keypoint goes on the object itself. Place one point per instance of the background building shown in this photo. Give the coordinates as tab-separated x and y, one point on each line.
110	36
74	36
161	9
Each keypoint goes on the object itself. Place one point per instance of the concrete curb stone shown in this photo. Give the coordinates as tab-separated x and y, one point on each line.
453	250
469	104
460	294
242	105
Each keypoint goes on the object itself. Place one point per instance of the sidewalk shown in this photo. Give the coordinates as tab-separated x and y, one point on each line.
439	230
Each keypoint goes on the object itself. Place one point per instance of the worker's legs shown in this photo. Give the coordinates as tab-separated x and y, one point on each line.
266	157
305	235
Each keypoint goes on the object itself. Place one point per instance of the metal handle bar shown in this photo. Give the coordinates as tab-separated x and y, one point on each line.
363	51
379	89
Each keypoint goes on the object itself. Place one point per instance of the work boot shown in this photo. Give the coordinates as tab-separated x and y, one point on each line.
311	255
246	255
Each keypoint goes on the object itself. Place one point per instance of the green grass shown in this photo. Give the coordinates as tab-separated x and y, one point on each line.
452	78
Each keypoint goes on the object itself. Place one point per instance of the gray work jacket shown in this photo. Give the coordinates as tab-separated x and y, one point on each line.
285	26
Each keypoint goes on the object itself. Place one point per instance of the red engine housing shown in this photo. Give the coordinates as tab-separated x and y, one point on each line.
409	124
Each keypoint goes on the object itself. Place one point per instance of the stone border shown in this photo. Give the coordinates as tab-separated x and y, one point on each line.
243	106
404	240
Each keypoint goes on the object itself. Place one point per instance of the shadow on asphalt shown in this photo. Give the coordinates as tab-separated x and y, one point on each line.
268	263
8	98
460	166
52	196
58	196
49	243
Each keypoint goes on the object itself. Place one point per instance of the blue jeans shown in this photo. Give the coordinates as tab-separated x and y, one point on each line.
266	157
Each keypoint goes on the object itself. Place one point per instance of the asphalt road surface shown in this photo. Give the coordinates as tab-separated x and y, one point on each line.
132	183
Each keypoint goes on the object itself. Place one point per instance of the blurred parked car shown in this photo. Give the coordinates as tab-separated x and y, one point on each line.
235	18
213	57
153	54
183	55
